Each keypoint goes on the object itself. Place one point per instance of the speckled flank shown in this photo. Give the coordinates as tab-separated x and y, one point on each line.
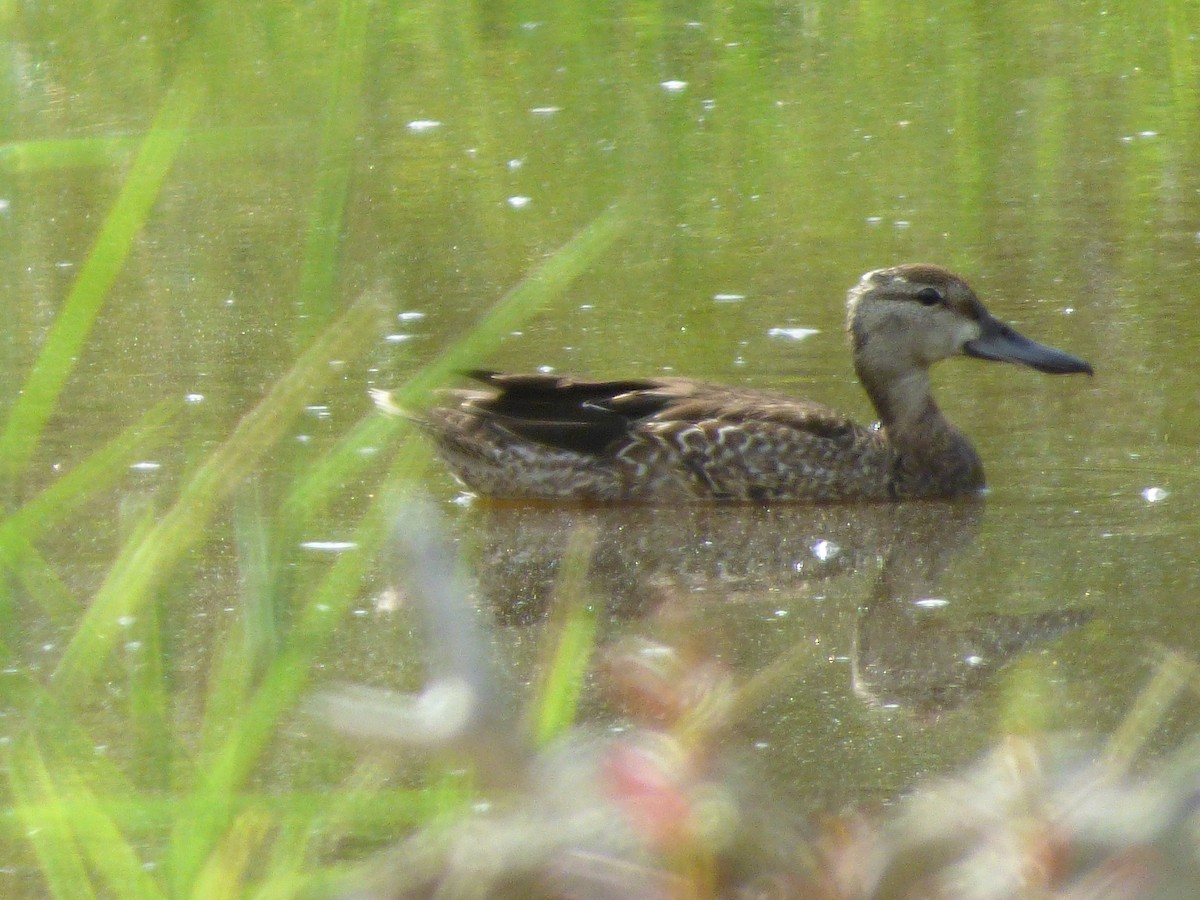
671	439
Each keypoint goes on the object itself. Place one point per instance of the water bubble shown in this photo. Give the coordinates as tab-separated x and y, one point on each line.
146	466
729	298
419	126
825	550
329	546
792	334
519	202
931	603
1154	494
674	86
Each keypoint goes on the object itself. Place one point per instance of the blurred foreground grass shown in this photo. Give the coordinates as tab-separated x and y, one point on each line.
193	824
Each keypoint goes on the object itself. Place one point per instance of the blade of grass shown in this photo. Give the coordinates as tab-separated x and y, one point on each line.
249	645
40	582
150	702
224	874
376	813
96	474
108	851
544	284
47	824
1171	677
574	626
325	823
342	116
144	564
221	773
73	324
27	157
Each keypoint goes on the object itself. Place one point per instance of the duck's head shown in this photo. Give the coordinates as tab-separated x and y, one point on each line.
906	318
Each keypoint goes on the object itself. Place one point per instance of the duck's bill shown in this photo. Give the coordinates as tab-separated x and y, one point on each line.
1003	344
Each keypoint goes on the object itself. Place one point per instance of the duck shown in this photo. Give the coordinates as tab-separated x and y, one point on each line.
546	437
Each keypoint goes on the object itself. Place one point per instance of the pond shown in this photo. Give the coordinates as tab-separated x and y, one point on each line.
199	490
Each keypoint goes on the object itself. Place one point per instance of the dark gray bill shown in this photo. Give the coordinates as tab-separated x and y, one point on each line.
1004	344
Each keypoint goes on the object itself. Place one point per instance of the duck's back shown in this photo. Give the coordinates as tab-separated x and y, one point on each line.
553	438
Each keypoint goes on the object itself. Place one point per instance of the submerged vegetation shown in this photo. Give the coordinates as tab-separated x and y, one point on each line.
214	216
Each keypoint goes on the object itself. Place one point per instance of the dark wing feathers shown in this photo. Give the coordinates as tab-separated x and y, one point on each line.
581	416
592	416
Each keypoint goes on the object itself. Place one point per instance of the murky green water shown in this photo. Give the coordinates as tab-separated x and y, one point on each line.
767	154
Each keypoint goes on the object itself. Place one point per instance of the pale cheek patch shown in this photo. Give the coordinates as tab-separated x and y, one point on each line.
968	331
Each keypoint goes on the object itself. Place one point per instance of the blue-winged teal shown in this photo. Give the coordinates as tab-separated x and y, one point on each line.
665	439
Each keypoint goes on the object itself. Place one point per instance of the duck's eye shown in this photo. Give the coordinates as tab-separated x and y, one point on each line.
929	296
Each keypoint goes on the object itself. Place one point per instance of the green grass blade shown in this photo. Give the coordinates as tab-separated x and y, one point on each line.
47	824
319	270
1173	675
109	853
224	874
544	284
150	701
224	771
324	823
574	627
145	563
66	337
96	474
538	289
29	157
39	581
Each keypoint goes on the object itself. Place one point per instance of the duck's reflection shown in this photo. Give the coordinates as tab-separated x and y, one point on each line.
906	650
722	552
909	648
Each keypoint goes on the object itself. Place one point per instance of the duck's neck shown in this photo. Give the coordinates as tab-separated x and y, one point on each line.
934	457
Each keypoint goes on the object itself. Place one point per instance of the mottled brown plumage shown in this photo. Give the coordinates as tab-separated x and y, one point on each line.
666	439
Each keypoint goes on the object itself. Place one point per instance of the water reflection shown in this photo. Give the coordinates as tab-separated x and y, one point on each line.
910	647
908	652
664	805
